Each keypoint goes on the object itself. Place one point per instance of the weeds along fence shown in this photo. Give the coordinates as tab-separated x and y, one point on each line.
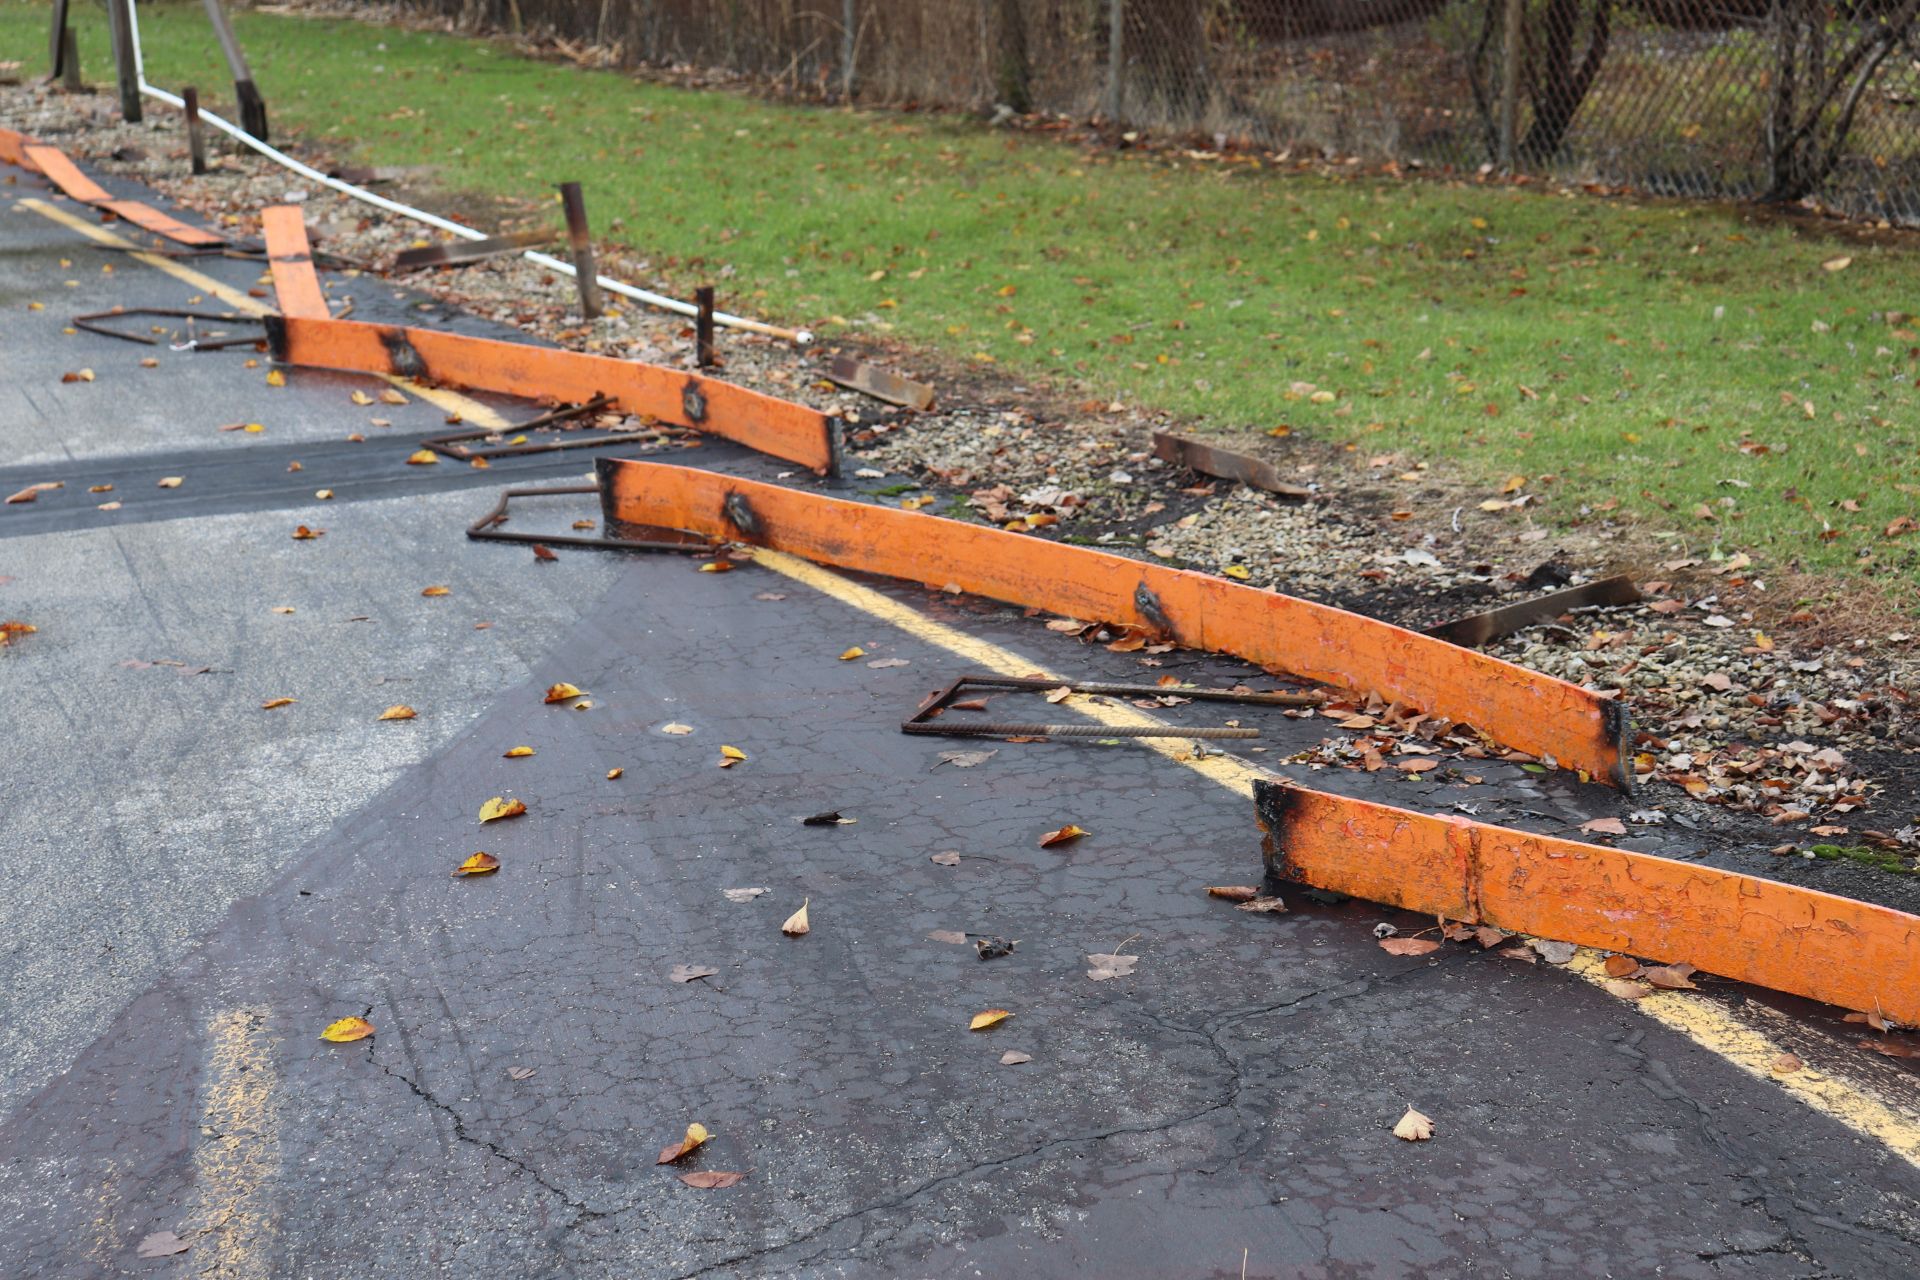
1784	100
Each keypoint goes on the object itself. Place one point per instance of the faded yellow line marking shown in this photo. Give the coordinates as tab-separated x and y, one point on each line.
1713	1027
235	1220
450	402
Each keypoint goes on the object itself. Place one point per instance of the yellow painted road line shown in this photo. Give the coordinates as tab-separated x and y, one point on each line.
236	1156
450	402
1895	1125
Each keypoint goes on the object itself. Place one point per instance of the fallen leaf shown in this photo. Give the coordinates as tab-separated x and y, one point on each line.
1627	990
160	1244
743	895
390	396
347	1030
1413	1127
562	691
717	566
1840	263
953	936
1604	827
730	756
1892	1048
831	818
436	591
1419	764
521	1073
1671	977
1621	966
398	711
981	1021
498	808
881	664
516	753
797	922
479	864
1787	1063
948	859
361	397
1263	906
323	494
1238	572
29	494
690	972
855	652
302	534
966	759
1553	952
8	630
1111	966
275	378
1233	892
81	375
171	482
1408	946
1064	834
541	552
614	773
696	1135
1013	1058
677	730
711	1179
1061	694
271	703
422	458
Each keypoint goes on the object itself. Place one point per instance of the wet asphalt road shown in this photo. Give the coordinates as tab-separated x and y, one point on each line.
196	886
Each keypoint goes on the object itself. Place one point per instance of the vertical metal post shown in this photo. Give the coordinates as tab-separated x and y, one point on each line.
1510	83
70	62
253	108
581	241
703	327
849	46
196	139
57	42
120	22
1116	55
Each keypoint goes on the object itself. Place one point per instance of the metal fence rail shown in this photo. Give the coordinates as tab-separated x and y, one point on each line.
1770	99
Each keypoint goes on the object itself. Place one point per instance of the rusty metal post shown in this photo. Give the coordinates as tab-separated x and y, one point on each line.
120	22
253	108
70	62
196	140
585	274
703	327
1510	83
57	42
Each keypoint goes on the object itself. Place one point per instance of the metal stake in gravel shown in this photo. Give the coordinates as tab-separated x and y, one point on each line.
582	246
196	139
70	62
703	327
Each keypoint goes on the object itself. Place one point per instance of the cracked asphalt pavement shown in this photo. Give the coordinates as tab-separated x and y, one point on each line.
195	886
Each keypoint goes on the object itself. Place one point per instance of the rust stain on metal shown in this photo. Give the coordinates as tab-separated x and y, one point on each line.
1853	954
1477	629
881	384
1223	464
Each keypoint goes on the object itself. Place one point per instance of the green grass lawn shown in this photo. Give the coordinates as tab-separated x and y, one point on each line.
1661	356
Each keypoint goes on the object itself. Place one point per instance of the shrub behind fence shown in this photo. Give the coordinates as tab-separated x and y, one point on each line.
1770	99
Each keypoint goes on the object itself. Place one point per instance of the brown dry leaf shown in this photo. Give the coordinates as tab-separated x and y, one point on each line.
361	398
1129	644
717	566
171	482
1413	1127
479	864
10	629
422	458
947	859
1787	1063
690	972
562	692
399	711
1064	834
1264	906
855	652
497	808
1627	990
1671	977
1621	966
1059	695
1233	892
302	534
1419	764
614	773
541	552
1488	937
271	703
991	1017
711	1179
696	1135
1013	1058
436	591
1892	1048
516	753
1409	946
796	924
347	1030
29	494
1604	827
390	396
677	730
82	375
731	756
1111	966
160	1244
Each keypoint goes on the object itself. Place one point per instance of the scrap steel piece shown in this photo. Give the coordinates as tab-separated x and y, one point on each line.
454	445
470	251
881	384
485	529
92	323
1476	629
922	721
1223	464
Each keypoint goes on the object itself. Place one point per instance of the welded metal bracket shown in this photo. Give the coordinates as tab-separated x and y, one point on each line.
929	719
1476	629
94	323
454	444
648	538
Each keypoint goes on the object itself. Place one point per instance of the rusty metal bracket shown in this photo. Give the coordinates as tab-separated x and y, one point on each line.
454	445
467	252
92	323
1223	464
486	528
881	384
922	721
1476	629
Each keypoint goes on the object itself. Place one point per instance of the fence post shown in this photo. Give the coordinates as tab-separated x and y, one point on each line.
586	275
120	23
1116	56
196	137
849	46
1510	83
70	63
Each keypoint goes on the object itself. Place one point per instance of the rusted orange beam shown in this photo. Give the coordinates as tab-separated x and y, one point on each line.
1812	944
162	223
1515	706
17	148
13	149
773	426
65	174
290	258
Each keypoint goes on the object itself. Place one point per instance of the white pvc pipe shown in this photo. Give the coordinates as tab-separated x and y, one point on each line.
548	261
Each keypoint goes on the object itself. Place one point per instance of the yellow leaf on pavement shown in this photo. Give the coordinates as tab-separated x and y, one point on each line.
436	591
399	711
271	703
275	378
1064	834
677	730
730	756
797	922
172	482
497	808
696	1135
390	396
517	753
422	458
851	654
981	1021
347	1030
562	691
478	865
302	534
614	773
1238	572
361	397
1413	1127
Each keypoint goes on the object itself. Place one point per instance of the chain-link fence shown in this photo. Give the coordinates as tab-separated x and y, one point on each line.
1776	99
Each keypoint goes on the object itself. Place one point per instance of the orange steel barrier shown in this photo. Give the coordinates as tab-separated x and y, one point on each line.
772	426
19	149
1800	941
1521	708
291	259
